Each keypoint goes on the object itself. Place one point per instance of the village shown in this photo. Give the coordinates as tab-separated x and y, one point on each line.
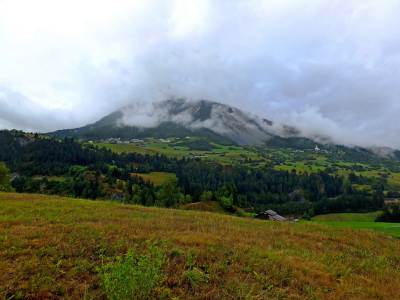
137	140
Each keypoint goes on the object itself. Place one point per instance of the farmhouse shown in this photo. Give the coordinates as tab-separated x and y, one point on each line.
270	215
390	201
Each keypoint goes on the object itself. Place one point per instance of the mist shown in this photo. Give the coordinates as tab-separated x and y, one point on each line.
329	68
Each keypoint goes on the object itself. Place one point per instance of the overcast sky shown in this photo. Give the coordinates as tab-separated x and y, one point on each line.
326	66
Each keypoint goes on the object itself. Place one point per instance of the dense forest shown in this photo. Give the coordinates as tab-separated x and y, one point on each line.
41	164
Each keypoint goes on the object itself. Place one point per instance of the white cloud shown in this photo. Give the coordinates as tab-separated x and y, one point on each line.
330	67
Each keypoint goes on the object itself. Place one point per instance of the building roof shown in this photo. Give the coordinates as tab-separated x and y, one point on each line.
271	215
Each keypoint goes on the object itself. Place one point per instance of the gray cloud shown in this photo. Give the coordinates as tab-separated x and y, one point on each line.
328	67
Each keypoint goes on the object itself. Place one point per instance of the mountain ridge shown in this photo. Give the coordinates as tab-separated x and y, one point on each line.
178	117
215	121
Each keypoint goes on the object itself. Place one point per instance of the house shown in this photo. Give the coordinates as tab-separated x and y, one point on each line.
270	215
113	140
134	141
391	201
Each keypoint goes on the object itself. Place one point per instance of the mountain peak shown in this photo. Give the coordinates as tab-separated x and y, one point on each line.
181	117
222	119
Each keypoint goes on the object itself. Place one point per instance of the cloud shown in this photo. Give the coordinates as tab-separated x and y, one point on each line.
328	67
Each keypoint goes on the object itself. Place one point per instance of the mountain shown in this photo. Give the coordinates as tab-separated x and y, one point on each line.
180	118
385	152
214	121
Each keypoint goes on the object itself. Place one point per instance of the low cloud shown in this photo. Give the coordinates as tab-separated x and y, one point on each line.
330	68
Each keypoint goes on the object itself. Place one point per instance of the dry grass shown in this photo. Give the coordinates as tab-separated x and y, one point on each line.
51	247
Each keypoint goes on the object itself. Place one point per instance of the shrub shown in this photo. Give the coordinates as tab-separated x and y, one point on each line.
206	196
391	213
133	276
195	277
226	202
4	178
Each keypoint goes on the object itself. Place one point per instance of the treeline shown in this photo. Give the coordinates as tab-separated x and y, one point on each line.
39	155
65	167
82	183
286	192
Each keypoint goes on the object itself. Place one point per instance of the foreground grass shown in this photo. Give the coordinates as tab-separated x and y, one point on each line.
359	221
52	248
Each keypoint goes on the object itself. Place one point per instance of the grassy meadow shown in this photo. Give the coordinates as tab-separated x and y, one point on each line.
157	178
359	221
52	248
176	148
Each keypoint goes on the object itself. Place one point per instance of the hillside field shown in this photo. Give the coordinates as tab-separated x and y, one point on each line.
177	148
52	248
359	221
278	158
157	178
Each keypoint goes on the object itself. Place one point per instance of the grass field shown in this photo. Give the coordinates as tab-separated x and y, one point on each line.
359	221
220	153
157	178
52	248
208	206
280	158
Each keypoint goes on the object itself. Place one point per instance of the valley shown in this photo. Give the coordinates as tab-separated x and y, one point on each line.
111	211
338	162
199	150
190	147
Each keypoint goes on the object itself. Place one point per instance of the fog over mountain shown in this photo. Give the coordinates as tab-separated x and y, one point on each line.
182	118
239	126
329	68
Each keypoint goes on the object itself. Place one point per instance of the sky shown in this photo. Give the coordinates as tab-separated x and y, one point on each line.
328	67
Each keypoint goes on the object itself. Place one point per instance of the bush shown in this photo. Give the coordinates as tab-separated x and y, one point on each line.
194	276
206	196
391	213
133	276
4	178
226	202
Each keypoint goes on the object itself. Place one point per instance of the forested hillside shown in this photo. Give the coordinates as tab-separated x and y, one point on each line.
40	164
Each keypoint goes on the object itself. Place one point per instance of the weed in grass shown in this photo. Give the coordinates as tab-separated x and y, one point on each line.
195	277
176	253
240	290
190	259
133	276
